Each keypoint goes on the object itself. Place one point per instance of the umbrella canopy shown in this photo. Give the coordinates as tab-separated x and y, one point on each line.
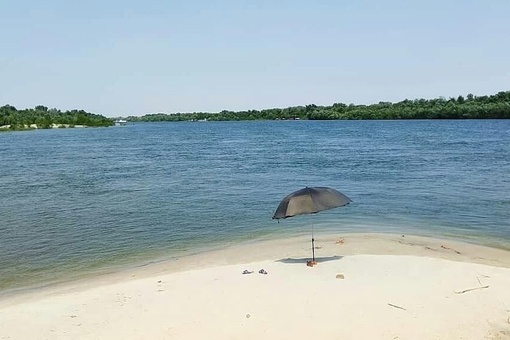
310	200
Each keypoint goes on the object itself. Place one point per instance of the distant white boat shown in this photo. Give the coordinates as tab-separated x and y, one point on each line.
120	122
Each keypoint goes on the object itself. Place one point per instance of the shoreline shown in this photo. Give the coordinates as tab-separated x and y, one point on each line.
270	248
364	286
204	250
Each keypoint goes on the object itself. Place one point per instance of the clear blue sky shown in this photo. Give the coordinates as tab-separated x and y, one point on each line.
120	58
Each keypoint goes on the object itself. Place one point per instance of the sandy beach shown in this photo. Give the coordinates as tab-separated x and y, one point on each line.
366	286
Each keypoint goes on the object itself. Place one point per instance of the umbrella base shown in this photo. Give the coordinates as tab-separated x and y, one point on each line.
311	263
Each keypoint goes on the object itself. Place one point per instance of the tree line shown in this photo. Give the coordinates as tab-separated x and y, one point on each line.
495	106
45	118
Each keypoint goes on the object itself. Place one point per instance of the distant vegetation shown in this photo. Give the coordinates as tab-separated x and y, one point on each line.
470	107
43	118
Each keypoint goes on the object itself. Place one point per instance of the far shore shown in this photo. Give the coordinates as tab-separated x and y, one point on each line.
365	286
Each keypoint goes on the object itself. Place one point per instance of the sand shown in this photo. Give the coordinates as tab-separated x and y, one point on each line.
364	287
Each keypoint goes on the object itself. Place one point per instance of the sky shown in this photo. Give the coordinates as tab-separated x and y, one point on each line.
126	57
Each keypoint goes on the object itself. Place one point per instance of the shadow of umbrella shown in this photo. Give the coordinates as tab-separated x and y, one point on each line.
310	200
301	260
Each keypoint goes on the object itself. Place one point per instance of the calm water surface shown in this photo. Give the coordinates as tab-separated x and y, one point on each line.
83	201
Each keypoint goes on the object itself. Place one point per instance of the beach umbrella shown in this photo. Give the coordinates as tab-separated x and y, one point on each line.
310	200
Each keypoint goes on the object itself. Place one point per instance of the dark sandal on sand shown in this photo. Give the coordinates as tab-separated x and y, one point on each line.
247	272
262	271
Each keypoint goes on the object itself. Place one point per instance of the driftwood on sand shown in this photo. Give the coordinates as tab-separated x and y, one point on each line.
470	289
395	306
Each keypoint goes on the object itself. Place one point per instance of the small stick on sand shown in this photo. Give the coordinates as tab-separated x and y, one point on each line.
395	306
468	290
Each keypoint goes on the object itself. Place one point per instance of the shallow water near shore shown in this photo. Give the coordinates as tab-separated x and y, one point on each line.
76	202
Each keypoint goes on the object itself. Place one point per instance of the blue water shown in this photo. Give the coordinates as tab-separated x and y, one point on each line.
84	201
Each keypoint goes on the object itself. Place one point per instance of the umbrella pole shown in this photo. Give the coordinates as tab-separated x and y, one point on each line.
313	250
313	246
